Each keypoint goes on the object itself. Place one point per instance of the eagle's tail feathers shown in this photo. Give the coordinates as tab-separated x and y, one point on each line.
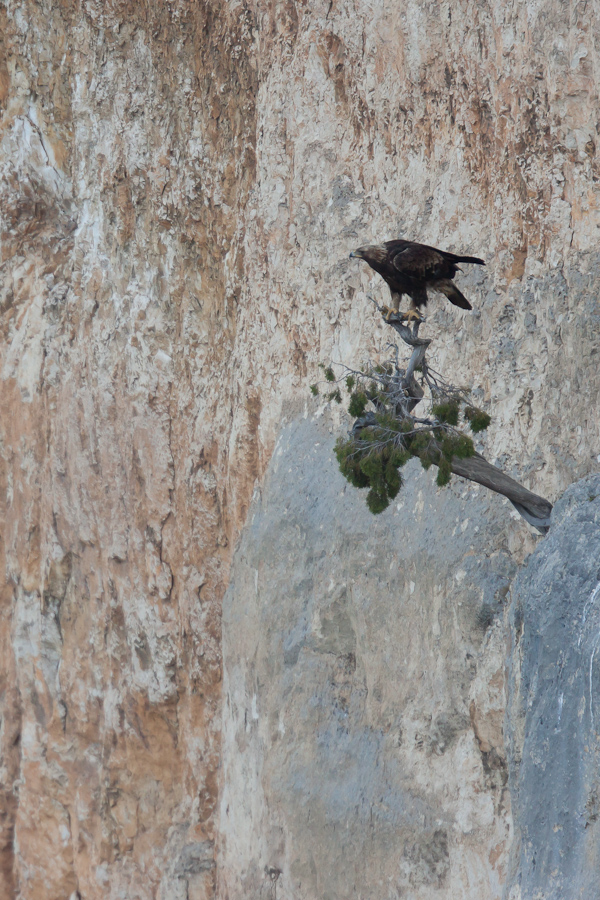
453	294
470	259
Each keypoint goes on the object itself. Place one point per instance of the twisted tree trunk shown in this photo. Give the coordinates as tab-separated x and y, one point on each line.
534	509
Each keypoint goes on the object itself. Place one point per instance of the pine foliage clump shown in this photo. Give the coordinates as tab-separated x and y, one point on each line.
386	433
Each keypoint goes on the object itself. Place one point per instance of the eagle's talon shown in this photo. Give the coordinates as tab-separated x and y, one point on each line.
388	312
412	314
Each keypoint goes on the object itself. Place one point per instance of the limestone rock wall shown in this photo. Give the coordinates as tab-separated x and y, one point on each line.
180	185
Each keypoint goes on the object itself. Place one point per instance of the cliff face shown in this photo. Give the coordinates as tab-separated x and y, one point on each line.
126	149
180	185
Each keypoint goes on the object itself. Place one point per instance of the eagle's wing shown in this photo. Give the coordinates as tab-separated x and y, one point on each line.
417	261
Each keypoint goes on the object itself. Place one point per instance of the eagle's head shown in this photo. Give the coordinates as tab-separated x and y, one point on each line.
370	253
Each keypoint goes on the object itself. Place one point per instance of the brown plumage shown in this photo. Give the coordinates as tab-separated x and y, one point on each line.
411	268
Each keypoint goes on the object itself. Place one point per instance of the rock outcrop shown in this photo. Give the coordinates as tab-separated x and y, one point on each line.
364	664
553	714
180	185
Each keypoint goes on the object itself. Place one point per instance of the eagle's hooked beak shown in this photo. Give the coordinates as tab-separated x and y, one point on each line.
355	255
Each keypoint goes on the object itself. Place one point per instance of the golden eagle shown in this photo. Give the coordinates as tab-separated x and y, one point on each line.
411	268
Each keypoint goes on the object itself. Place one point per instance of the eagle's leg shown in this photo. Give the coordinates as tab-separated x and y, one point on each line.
412	314
394	309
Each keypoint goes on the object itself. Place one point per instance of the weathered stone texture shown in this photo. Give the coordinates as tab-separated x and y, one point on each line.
180	185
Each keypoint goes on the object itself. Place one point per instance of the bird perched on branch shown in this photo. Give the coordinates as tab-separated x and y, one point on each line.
411	268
